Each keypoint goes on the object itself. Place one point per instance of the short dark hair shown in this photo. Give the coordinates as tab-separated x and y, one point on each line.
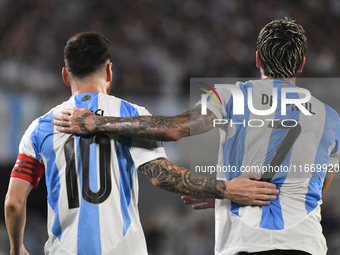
282	44
85	53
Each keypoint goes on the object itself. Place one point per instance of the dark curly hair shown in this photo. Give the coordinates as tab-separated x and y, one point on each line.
282	44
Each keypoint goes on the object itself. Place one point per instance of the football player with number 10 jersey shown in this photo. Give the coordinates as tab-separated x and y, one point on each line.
91	180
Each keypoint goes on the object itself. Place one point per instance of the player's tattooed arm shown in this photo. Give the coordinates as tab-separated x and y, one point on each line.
162	128
177	179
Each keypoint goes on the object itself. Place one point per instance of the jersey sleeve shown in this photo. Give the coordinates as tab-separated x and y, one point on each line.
143	151
334	156
28	166
220	109
334	160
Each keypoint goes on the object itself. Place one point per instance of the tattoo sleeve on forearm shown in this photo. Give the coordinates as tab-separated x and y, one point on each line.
178	179
81	121
160	128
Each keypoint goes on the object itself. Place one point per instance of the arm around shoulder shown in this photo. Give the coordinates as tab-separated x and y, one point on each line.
247	190
161	128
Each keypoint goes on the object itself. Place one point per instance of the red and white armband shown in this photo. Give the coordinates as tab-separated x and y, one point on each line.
28	169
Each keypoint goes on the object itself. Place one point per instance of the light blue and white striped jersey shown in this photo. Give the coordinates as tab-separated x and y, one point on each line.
91	181
249	142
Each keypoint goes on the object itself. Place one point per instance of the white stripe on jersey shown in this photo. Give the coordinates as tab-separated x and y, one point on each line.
92	204
296	212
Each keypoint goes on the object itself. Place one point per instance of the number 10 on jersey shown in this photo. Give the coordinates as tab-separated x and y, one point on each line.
71	150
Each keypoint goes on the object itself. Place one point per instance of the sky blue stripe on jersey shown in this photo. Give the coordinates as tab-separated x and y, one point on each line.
127	110
272	218
93	168
233	148
42	138
329	136
88	229
91	103
88	226
126	167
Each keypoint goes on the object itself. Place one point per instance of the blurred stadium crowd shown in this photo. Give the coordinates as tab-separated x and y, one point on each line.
157	45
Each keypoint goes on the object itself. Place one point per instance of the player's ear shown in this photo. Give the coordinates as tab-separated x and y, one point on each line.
66	79
109	72
302	65
258	59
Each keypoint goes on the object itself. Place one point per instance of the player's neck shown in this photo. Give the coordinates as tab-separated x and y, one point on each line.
89	86
291	80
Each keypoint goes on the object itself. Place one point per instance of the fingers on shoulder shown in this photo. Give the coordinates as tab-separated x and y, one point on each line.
67	111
